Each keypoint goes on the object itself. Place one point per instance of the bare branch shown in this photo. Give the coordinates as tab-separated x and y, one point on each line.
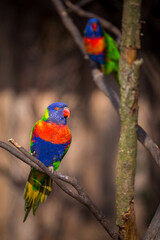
143	137
68	23
149	144
106	24
99	79
80	194
153	232
19	155
81	4
34	162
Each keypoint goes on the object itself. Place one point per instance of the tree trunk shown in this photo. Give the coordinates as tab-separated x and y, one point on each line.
129	82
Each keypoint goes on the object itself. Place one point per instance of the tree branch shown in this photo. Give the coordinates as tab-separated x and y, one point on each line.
80	194
81	3
153	231
68	23
144	139
100	81
149	144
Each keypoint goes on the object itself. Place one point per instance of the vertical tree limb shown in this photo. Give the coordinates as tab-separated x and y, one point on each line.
129	81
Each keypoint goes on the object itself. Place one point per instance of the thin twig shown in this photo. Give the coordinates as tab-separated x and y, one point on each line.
80	194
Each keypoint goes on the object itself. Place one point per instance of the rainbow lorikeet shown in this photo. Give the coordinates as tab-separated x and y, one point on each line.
50	140
101	47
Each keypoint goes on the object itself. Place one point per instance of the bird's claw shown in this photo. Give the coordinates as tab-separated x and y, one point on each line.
51	169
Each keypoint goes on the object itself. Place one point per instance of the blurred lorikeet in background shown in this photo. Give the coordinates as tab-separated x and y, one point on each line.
101	47
50	140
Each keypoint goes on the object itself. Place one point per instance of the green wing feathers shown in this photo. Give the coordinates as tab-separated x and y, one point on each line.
37	189
112	56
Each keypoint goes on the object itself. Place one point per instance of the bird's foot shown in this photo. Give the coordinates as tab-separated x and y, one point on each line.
33	153
51	169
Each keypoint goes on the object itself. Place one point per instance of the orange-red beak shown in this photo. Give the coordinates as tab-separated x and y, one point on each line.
66	112
94	26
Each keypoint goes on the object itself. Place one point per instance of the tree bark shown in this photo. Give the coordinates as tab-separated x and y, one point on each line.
129	68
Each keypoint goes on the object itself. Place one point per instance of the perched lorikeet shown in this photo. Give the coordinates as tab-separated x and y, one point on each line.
101	47
50	140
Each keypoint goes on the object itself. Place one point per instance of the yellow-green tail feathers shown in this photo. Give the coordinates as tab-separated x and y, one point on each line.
36	191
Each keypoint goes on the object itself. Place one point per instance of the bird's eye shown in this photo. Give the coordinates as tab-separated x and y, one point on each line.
56	108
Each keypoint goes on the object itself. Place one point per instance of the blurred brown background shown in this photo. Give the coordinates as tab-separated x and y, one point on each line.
40	64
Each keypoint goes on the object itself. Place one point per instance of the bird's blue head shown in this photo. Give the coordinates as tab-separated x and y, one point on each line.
57	113
93	29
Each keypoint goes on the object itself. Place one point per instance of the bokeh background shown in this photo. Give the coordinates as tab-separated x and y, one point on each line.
40	64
